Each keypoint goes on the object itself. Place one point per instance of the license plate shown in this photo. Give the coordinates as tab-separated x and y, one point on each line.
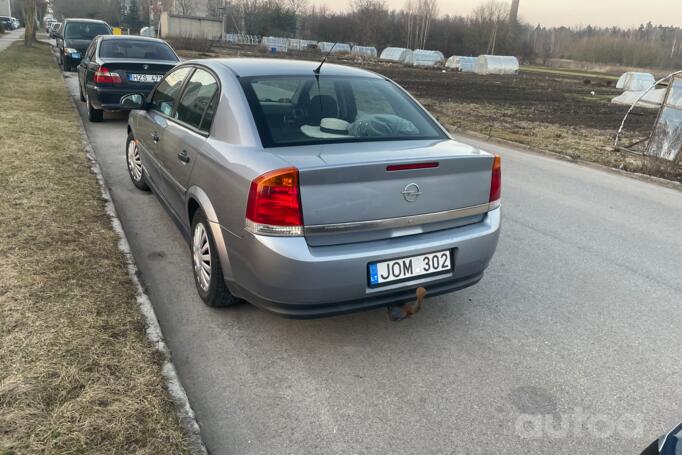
381	273
144	77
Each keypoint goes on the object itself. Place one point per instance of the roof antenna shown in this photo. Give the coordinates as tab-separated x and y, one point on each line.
317	70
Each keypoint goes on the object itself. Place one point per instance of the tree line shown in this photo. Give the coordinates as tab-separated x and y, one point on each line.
487	30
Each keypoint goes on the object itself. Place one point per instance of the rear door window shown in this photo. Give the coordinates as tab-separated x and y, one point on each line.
197	97
168	90
207	121
90	52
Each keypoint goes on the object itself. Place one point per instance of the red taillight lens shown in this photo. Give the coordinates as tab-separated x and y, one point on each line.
274	206
496	182
103	76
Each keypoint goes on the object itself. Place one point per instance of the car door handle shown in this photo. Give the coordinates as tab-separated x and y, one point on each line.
155	137
183	156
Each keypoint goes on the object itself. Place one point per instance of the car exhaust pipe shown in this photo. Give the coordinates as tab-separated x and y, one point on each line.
397	313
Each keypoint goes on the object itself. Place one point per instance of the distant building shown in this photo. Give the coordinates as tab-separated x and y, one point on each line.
5	8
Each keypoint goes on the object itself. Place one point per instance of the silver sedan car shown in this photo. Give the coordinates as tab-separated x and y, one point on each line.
312	191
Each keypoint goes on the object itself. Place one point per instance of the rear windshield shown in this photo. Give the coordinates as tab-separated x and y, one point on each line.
85	30
136	49
299	110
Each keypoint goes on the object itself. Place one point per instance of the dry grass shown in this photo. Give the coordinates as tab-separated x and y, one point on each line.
508	123
77	374
201	45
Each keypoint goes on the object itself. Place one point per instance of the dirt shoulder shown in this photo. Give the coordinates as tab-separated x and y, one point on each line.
77	373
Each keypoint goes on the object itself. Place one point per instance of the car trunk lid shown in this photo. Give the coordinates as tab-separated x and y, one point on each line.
357	192
126	68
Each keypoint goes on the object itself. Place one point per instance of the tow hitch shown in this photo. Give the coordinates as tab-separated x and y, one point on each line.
398	313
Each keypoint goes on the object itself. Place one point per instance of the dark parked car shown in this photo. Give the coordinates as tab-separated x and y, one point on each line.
114	66
668	444
74	38
7	23
54	29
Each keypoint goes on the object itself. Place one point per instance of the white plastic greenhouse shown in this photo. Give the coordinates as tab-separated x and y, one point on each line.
635	82
496	64
422	57
274	44
395	54
651	100
462	64
300	44
339	48
364	51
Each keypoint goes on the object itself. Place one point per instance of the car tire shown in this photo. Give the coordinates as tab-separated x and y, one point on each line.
94	115
208	274
134	164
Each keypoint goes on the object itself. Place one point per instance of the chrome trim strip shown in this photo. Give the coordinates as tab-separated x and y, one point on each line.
394	223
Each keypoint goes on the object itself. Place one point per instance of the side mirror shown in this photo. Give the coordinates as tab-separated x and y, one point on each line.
133	101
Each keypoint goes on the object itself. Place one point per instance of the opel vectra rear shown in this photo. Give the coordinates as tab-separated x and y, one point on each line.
312	191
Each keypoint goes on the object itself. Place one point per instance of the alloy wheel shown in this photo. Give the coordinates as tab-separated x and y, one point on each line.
134	161
201	252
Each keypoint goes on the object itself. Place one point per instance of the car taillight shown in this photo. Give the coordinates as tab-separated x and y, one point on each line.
274	205
103	76
496	183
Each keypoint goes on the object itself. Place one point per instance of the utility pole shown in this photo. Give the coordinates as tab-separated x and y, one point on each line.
514	13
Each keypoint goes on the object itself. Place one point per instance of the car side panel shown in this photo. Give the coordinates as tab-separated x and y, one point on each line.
143	125
178	140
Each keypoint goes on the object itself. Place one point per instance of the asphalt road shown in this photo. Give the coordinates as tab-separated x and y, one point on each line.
576	326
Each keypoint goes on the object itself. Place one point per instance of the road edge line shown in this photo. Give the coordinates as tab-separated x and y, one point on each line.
153	330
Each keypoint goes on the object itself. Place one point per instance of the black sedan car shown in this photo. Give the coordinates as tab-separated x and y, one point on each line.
74	38
114	66
7	23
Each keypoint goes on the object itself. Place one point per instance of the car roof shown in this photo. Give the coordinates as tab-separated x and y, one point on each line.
131	37
248	67
92	21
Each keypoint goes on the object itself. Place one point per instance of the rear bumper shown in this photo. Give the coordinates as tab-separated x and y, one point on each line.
291	278
109	98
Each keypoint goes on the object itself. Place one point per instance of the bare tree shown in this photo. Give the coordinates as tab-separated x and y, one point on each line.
185	7
490	16
419	17
297	6
30	10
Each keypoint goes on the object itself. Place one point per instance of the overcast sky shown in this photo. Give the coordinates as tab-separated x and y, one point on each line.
579	12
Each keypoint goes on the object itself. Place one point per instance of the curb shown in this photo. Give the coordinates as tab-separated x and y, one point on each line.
153	331
466	134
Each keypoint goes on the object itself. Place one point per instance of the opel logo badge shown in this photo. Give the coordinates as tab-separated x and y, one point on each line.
411	192
145	67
